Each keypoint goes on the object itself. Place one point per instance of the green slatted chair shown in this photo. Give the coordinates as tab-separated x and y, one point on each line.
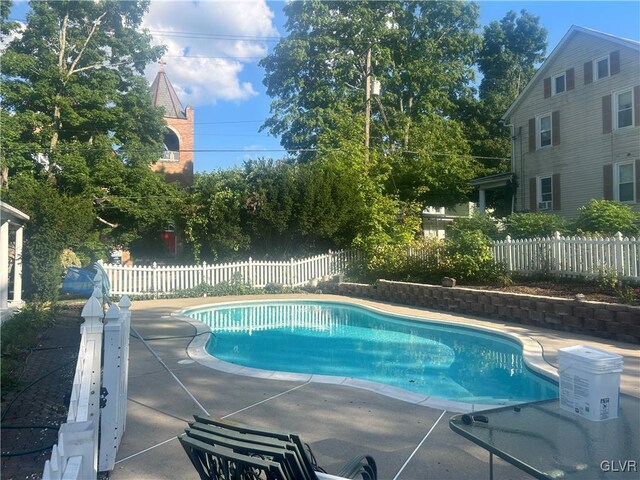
363	466
218	463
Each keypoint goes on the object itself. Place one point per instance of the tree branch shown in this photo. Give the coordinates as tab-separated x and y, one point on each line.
98	65
102	220
96	23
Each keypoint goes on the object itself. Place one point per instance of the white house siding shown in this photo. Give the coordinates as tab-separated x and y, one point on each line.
583	148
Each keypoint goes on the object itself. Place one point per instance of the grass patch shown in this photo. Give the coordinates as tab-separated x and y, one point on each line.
18	336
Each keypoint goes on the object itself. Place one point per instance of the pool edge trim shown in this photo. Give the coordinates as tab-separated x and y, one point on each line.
532	353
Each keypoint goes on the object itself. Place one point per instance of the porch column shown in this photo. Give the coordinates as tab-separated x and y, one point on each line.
17	270
482	201
4	265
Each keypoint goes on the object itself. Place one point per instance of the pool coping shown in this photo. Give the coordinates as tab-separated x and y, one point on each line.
532	352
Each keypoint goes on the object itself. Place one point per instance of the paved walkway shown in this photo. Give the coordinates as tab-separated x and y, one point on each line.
408	441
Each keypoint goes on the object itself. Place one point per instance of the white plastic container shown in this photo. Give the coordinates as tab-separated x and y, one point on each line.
589	382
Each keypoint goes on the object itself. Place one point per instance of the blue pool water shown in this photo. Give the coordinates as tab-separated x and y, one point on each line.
433	359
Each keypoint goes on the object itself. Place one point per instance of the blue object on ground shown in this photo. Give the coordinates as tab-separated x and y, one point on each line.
79	281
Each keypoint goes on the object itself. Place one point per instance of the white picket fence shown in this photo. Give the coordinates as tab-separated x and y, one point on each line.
572	256
97	409
154	279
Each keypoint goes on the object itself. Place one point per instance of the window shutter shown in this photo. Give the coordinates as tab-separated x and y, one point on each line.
571	79
638	181
532	135
555	128
547	87
588	73
555	189
607	179
533	197
614	58
636	105
606	114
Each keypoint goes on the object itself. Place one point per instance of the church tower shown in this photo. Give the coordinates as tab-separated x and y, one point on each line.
177	161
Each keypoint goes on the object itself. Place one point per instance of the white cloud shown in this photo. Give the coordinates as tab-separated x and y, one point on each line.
210	29
7	39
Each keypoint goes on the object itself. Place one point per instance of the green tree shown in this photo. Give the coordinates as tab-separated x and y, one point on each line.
213	216
511	52
56	222
77	107
272	207
421	52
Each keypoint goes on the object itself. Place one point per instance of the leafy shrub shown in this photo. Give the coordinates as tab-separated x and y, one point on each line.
415	261
533	225
18	336
607	218
68	258
469	257
478	222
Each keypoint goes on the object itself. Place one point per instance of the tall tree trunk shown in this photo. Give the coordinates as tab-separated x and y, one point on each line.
62	43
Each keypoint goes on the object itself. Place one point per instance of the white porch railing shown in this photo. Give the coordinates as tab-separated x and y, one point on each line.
572	256
98	397
140	280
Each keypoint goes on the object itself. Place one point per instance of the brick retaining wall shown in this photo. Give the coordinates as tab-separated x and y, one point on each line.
606	320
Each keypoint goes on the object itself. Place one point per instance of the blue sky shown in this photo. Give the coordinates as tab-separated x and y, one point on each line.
224	84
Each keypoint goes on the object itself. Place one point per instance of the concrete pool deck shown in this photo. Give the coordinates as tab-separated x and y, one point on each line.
408	440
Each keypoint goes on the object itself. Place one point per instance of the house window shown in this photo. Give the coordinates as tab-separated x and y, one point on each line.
559	84
601	67
545	192
544	130
624	109
625	182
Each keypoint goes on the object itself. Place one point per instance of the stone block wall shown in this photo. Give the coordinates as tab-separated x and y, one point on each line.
606	320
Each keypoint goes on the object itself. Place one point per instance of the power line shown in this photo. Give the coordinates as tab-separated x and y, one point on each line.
267	150
214	57
215	36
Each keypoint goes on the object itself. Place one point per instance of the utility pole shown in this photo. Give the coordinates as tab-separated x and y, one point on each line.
367	106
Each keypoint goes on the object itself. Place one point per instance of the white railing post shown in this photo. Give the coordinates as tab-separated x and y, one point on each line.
620	263
125	313
509	252
110	432
97	287
292	281
249	280
154	280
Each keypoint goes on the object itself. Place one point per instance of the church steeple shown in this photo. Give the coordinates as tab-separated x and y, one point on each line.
176	162
163	95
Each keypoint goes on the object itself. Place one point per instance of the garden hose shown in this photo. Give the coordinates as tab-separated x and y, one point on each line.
34	450
17	427
178	336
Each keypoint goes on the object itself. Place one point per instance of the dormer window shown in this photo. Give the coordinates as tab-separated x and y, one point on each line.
559	83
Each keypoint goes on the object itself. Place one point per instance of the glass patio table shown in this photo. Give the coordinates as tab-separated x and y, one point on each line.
548	442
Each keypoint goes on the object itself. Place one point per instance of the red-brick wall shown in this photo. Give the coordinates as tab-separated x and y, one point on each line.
181	171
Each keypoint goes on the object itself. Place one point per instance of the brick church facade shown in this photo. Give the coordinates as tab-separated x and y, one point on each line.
177	161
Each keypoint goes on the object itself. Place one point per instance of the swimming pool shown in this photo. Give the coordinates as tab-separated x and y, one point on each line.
326	338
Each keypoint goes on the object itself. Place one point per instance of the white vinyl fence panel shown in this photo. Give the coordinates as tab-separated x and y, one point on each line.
572	256
98	398
140	280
